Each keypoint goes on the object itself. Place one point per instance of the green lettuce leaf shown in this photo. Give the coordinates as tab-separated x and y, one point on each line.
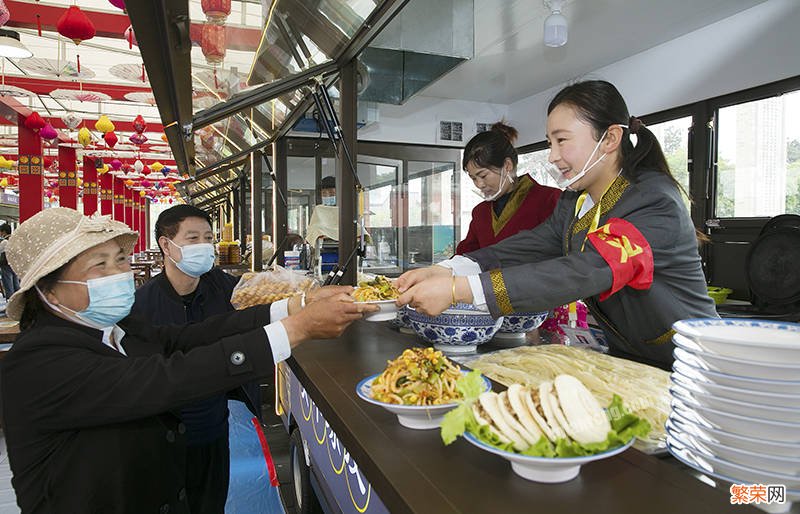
460	419
470	386
542	448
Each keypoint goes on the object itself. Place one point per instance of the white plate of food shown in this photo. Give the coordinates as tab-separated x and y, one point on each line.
546	469
379	291
547	433
408	390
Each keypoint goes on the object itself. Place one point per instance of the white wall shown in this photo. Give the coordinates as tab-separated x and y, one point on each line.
751	48
417	121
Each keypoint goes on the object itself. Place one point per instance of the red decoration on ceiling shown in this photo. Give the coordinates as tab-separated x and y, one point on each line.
75	25
34	121
139	125
110	138
212	42
48	132
4	14
138	138
130	37
216	10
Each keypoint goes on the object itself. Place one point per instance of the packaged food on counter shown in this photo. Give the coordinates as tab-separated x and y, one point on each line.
270	286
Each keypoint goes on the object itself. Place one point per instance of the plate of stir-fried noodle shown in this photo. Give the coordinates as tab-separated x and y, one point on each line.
381	292
419	387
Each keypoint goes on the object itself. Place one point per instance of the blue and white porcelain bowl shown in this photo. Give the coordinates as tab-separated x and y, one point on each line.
516	325
459	329
401	321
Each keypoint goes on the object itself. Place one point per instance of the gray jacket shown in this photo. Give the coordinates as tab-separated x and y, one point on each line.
543	268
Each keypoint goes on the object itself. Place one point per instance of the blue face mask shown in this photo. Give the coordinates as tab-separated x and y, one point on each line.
329	201
196	259
110	300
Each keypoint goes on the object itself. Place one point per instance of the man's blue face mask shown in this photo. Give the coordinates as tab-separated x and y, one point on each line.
196	259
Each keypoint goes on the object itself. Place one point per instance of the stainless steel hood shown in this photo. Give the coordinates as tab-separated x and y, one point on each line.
425	41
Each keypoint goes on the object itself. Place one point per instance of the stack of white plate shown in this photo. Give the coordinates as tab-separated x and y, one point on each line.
736	402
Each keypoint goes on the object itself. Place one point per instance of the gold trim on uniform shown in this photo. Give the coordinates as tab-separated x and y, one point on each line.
513	204
610	198
663	338
500	292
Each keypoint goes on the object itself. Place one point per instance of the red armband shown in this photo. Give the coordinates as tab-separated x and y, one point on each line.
627	253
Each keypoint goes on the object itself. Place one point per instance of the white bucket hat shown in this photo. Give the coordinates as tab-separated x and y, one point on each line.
50	239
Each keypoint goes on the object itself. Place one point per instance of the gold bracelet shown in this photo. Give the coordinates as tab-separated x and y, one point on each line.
454	291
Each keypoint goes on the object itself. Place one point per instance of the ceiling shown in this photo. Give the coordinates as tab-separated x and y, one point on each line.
512	63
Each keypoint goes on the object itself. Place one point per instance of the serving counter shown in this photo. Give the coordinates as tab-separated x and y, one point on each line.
412	470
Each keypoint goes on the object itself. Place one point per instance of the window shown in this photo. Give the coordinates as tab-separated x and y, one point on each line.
758	158
379	178
301	185
431	233
535	164
673	135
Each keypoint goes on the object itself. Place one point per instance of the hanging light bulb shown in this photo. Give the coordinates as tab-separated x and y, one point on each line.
555	25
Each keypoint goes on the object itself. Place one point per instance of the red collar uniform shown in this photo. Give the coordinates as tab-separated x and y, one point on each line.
530	204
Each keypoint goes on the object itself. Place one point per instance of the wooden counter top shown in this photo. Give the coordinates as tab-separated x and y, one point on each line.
412	470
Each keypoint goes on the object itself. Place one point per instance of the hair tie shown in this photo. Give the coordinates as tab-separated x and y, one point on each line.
634	124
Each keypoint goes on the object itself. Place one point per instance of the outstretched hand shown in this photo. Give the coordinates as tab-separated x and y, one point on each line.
326	317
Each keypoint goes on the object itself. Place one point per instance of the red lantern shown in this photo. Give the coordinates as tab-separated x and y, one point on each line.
139	125
216	10
212	42
110	138
34	122
75	25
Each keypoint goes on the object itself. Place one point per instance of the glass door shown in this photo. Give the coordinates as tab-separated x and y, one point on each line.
380	178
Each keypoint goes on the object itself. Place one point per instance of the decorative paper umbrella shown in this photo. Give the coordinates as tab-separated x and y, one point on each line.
54	68
71	120
8	90
116	165
80	95
119	4
142	97
75	25
129	72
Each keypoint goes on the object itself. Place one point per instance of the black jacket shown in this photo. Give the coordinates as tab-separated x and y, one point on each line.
160	304
89	430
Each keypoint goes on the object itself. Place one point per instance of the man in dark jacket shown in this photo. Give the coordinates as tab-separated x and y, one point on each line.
189	290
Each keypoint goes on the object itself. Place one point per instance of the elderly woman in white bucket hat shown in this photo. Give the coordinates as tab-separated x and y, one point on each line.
87	390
